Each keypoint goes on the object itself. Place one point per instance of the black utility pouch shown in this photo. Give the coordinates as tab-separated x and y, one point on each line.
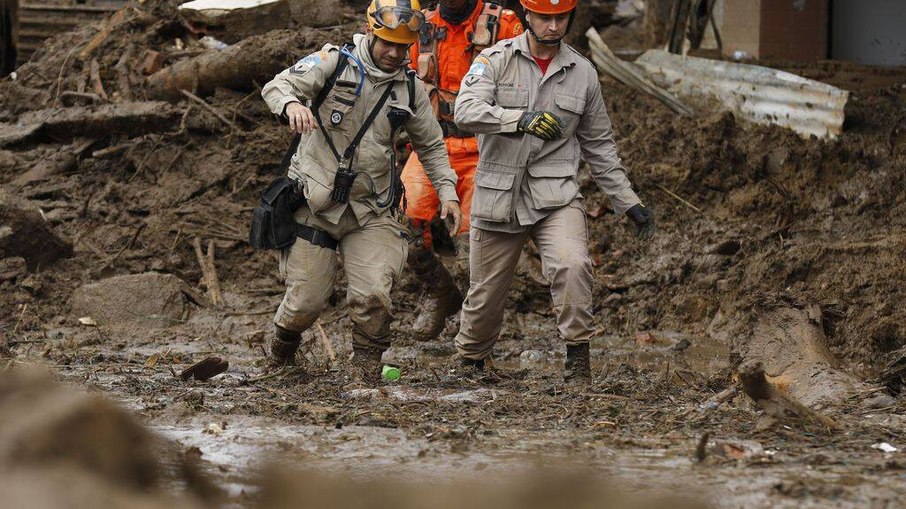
273	224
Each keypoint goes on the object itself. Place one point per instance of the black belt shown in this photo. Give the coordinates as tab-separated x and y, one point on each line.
316	236
451	130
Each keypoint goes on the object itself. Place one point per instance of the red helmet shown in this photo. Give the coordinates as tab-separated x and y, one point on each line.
549	6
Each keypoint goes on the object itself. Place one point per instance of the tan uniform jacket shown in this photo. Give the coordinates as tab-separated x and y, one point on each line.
521	178
343	113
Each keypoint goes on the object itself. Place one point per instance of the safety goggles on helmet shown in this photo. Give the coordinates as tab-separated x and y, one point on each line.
393	17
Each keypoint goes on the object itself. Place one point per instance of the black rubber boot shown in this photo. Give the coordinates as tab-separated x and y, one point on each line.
283	347
578	364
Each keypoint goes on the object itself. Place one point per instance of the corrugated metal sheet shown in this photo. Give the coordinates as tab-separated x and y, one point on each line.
759	94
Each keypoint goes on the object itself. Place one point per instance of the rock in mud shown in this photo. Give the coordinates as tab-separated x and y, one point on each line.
788	339
46	424
149	300
25	233
64	448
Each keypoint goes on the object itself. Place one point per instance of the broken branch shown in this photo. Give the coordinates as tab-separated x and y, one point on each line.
208	271
325	342
204	104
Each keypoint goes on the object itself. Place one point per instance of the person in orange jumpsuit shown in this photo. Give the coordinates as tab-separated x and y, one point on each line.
455	33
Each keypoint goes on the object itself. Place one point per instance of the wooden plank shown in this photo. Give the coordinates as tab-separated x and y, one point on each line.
629	75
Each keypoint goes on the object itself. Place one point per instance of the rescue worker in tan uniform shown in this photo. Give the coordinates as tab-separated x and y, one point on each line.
537	106
455	32
349	206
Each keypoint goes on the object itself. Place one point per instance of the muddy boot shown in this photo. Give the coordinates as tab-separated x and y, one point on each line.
578	364
441	300
366	366
283	347
472	370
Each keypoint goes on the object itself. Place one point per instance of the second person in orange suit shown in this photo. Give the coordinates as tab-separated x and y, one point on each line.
455	33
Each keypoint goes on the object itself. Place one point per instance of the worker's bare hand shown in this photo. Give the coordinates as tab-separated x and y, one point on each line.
450	210
301	119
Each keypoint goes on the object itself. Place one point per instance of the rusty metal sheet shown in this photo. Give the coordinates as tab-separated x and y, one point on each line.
759	94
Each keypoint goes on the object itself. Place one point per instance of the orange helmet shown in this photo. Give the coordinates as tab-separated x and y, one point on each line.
549	6
397	21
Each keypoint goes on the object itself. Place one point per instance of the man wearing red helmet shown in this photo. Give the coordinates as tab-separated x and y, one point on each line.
455	32
536	105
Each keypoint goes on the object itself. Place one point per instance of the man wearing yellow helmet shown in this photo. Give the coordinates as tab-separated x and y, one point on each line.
536	105
348	105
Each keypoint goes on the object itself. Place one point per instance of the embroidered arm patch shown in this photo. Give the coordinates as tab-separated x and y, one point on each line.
308	63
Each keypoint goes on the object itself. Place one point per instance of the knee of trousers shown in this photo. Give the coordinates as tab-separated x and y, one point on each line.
301	308
370	314
572	280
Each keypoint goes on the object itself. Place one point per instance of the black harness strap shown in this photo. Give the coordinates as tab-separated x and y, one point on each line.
350	150
316	236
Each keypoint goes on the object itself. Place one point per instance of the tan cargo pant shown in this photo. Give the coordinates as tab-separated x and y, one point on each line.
562	240
373	258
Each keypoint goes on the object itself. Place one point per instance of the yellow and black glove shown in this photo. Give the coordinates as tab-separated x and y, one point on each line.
542	124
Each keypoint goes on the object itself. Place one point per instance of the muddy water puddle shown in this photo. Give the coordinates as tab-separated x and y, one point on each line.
237	449
422	431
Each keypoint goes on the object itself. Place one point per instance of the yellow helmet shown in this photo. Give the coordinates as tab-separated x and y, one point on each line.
397	21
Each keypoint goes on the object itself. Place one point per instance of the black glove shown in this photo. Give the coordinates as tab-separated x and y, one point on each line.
643	219
542	124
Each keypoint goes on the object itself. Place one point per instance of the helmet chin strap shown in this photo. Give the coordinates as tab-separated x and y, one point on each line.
550	42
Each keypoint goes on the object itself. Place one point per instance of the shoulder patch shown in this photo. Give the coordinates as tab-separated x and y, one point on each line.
518	28
308	63
479	65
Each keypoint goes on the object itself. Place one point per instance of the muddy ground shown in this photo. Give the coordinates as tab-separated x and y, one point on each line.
798	248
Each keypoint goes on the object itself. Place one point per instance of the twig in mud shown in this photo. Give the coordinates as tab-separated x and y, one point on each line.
721	397
326	342
125	248
109	151
185	117
94	76
212	110
82	95
23	341
19	320
677	197
56	100
176	240
141	164
209	271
